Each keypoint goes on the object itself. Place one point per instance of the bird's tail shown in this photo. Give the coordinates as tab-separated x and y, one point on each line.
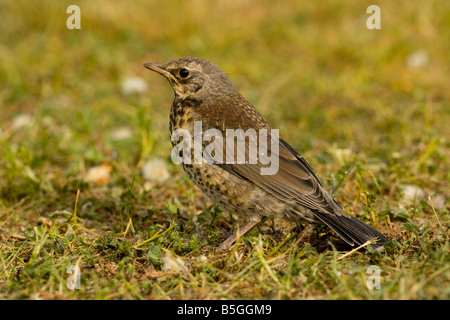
352	230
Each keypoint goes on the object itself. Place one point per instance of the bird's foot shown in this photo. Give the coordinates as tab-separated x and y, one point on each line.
228	243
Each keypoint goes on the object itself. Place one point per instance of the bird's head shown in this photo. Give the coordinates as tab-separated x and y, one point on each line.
195	78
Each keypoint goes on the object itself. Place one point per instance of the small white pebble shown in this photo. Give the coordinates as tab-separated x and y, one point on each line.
171	263
21	121
99	175
439	202
155	171
417	59
122	133
131	85
413	193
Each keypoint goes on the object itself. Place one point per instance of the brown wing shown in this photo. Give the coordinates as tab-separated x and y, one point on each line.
295	180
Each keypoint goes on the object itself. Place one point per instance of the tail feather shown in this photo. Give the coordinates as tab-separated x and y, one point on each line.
351	229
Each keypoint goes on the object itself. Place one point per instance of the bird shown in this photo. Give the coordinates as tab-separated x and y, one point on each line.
204	95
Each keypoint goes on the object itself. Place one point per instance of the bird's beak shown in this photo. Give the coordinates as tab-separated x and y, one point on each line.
157	68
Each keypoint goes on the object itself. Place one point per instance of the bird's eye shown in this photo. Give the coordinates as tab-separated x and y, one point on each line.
184	73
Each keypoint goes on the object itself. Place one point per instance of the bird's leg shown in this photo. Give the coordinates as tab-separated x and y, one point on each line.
227	244
261	220
274	230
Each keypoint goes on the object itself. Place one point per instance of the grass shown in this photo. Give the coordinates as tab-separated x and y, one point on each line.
373	125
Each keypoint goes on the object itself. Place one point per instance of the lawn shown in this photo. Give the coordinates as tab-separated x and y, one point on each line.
87	184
